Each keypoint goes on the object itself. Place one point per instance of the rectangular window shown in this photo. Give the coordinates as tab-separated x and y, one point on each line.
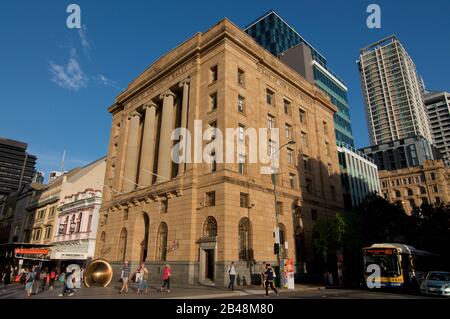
433	176
125	214
309	186
213	101
302	116
213	127
306	164
288	131
241	77
243	200
333	192
435	188
305	141
327	148
270	122
241	135
438	200
164	205
270	148
241	104
279	208
213	74
287	107
210	199
213	161
292	180
270	97
241	164
290	154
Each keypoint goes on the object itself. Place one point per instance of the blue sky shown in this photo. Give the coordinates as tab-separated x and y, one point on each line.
56	83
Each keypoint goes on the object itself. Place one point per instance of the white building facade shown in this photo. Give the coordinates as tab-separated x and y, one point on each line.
77	227
359	175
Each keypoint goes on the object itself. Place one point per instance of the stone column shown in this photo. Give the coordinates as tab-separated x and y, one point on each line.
132	153
184	113
148	146
165	143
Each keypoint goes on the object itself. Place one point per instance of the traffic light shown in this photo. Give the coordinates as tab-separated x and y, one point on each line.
276	249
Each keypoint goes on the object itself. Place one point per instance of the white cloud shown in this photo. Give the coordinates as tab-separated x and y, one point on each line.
103	80
69	76
82	32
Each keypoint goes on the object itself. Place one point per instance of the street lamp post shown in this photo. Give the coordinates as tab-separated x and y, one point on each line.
274	179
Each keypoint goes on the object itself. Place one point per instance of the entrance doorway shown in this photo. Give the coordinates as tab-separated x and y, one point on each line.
209	266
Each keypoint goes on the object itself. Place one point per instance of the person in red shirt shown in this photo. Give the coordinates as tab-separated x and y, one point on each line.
167	272
51	279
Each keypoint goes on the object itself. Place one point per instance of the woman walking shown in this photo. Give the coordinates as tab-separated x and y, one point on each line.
232	273
167	272
29	281
124	276
51	279
143	277
262	273
269	274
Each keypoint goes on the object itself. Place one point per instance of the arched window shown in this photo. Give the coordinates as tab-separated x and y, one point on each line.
101	244
244	239
398	194
162	242
423	190
409	192
210	227
122	245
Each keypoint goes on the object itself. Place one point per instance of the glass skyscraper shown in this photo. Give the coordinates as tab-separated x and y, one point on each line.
278	37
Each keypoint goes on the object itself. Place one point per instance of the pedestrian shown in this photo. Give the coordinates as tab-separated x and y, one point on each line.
124	277
143	277
232	274
167	272
6	277
69	285
269	275
37	277
29	281
262	273
43	280
51	279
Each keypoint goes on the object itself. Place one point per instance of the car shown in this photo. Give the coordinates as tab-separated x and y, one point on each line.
436	283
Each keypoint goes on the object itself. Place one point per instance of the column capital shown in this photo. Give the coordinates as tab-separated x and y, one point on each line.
149	105
186	81
166	93
133	114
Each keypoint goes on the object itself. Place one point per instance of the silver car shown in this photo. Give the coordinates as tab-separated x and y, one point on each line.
436	283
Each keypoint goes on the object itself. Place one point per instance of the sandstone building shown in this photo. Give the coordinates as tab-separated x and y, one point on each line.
198	217
413	186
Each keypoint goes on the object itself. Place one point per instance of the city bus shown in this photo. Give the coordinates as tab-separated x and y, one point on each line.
401	266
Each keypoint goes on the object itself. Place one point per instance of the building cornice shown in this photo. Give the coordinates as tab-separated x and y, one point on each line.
225	30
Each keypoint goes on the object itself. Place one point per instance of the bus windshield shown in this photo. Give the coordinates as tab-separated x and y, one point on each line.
388	263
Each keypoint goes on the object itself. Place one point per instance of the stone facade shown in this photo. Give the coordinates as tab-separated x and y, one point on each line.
198	217
411	187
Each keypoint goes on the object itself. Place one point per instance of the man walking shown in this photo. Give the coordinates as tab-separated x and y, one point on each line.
232	273
269	275
124	276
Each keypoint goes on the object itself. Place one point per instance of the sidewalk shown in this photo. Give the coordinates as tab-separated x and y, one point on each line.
177	292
